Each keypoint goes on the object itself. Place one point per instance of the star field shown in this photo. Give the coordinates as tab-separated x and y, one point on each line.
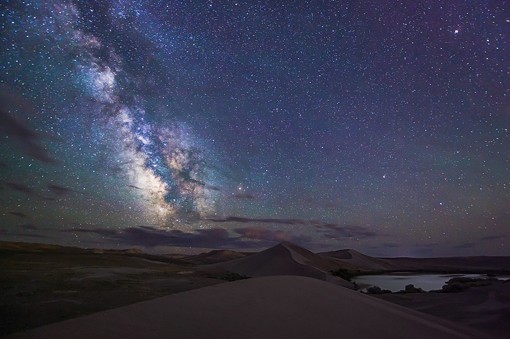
376	125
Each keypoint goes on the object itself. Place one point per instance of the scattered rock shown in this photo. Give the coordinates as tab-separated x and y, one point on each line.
376	290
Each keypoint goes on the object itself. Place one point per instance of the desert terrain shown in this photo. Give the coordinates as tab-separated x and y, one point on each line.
54	291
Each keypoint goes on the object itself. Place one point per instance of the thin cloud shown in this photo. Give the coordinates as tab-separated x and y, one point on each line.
21	134
334	231
59	190
148	236
493	237
390	245
20	187
29	226
261	233
243	196
329	230
186	176
465	245
259	220
19	214
23	234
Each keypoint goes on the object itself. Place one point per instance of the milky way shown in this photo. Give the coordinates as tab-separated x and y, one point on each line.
379	125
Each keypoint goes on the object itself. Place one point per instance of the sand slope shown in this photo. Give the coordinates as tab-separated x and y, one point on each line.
358	261
486	308
270	307
285	259
213	257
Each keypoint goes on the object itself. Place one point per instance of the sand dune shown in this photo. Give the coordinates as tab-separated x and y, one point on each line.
358	261
285	259
270	307
213	257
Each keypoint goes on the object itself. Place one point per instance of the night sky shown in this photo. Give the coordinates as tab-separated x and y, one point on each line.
381	126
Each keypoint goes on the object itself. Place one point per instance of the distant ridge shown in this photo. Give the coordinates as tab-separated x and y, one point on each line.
479	264
354	260
10	246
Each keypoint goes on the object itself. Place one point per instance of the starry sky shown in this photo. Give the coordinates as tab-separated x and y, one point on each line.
381	126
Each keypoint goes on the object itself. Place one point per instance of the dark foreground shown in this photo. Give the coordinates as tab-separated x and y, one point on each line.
44	284
268	307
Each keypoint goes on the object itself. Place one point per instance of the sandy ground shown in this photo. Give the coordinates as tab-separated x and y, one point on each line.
269	307
485	308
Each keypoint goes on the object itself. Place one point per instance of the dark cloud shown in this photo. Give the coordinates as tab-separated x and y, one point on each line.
429	245
346	231
493	237
19	214
194	161
18	132
259	220
149	236
214	233
390	245
29	226
106	232
213	188
185	175
20	187
59	190
261	233
135	187
25	231
243	196
329	230
23	234
465	245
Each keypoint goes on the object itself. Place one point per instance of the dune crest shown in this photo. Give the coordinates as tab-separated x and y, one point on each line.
285	259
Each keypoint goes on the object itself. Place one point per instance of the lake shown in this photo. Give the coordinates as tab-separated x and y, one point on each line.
398	281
